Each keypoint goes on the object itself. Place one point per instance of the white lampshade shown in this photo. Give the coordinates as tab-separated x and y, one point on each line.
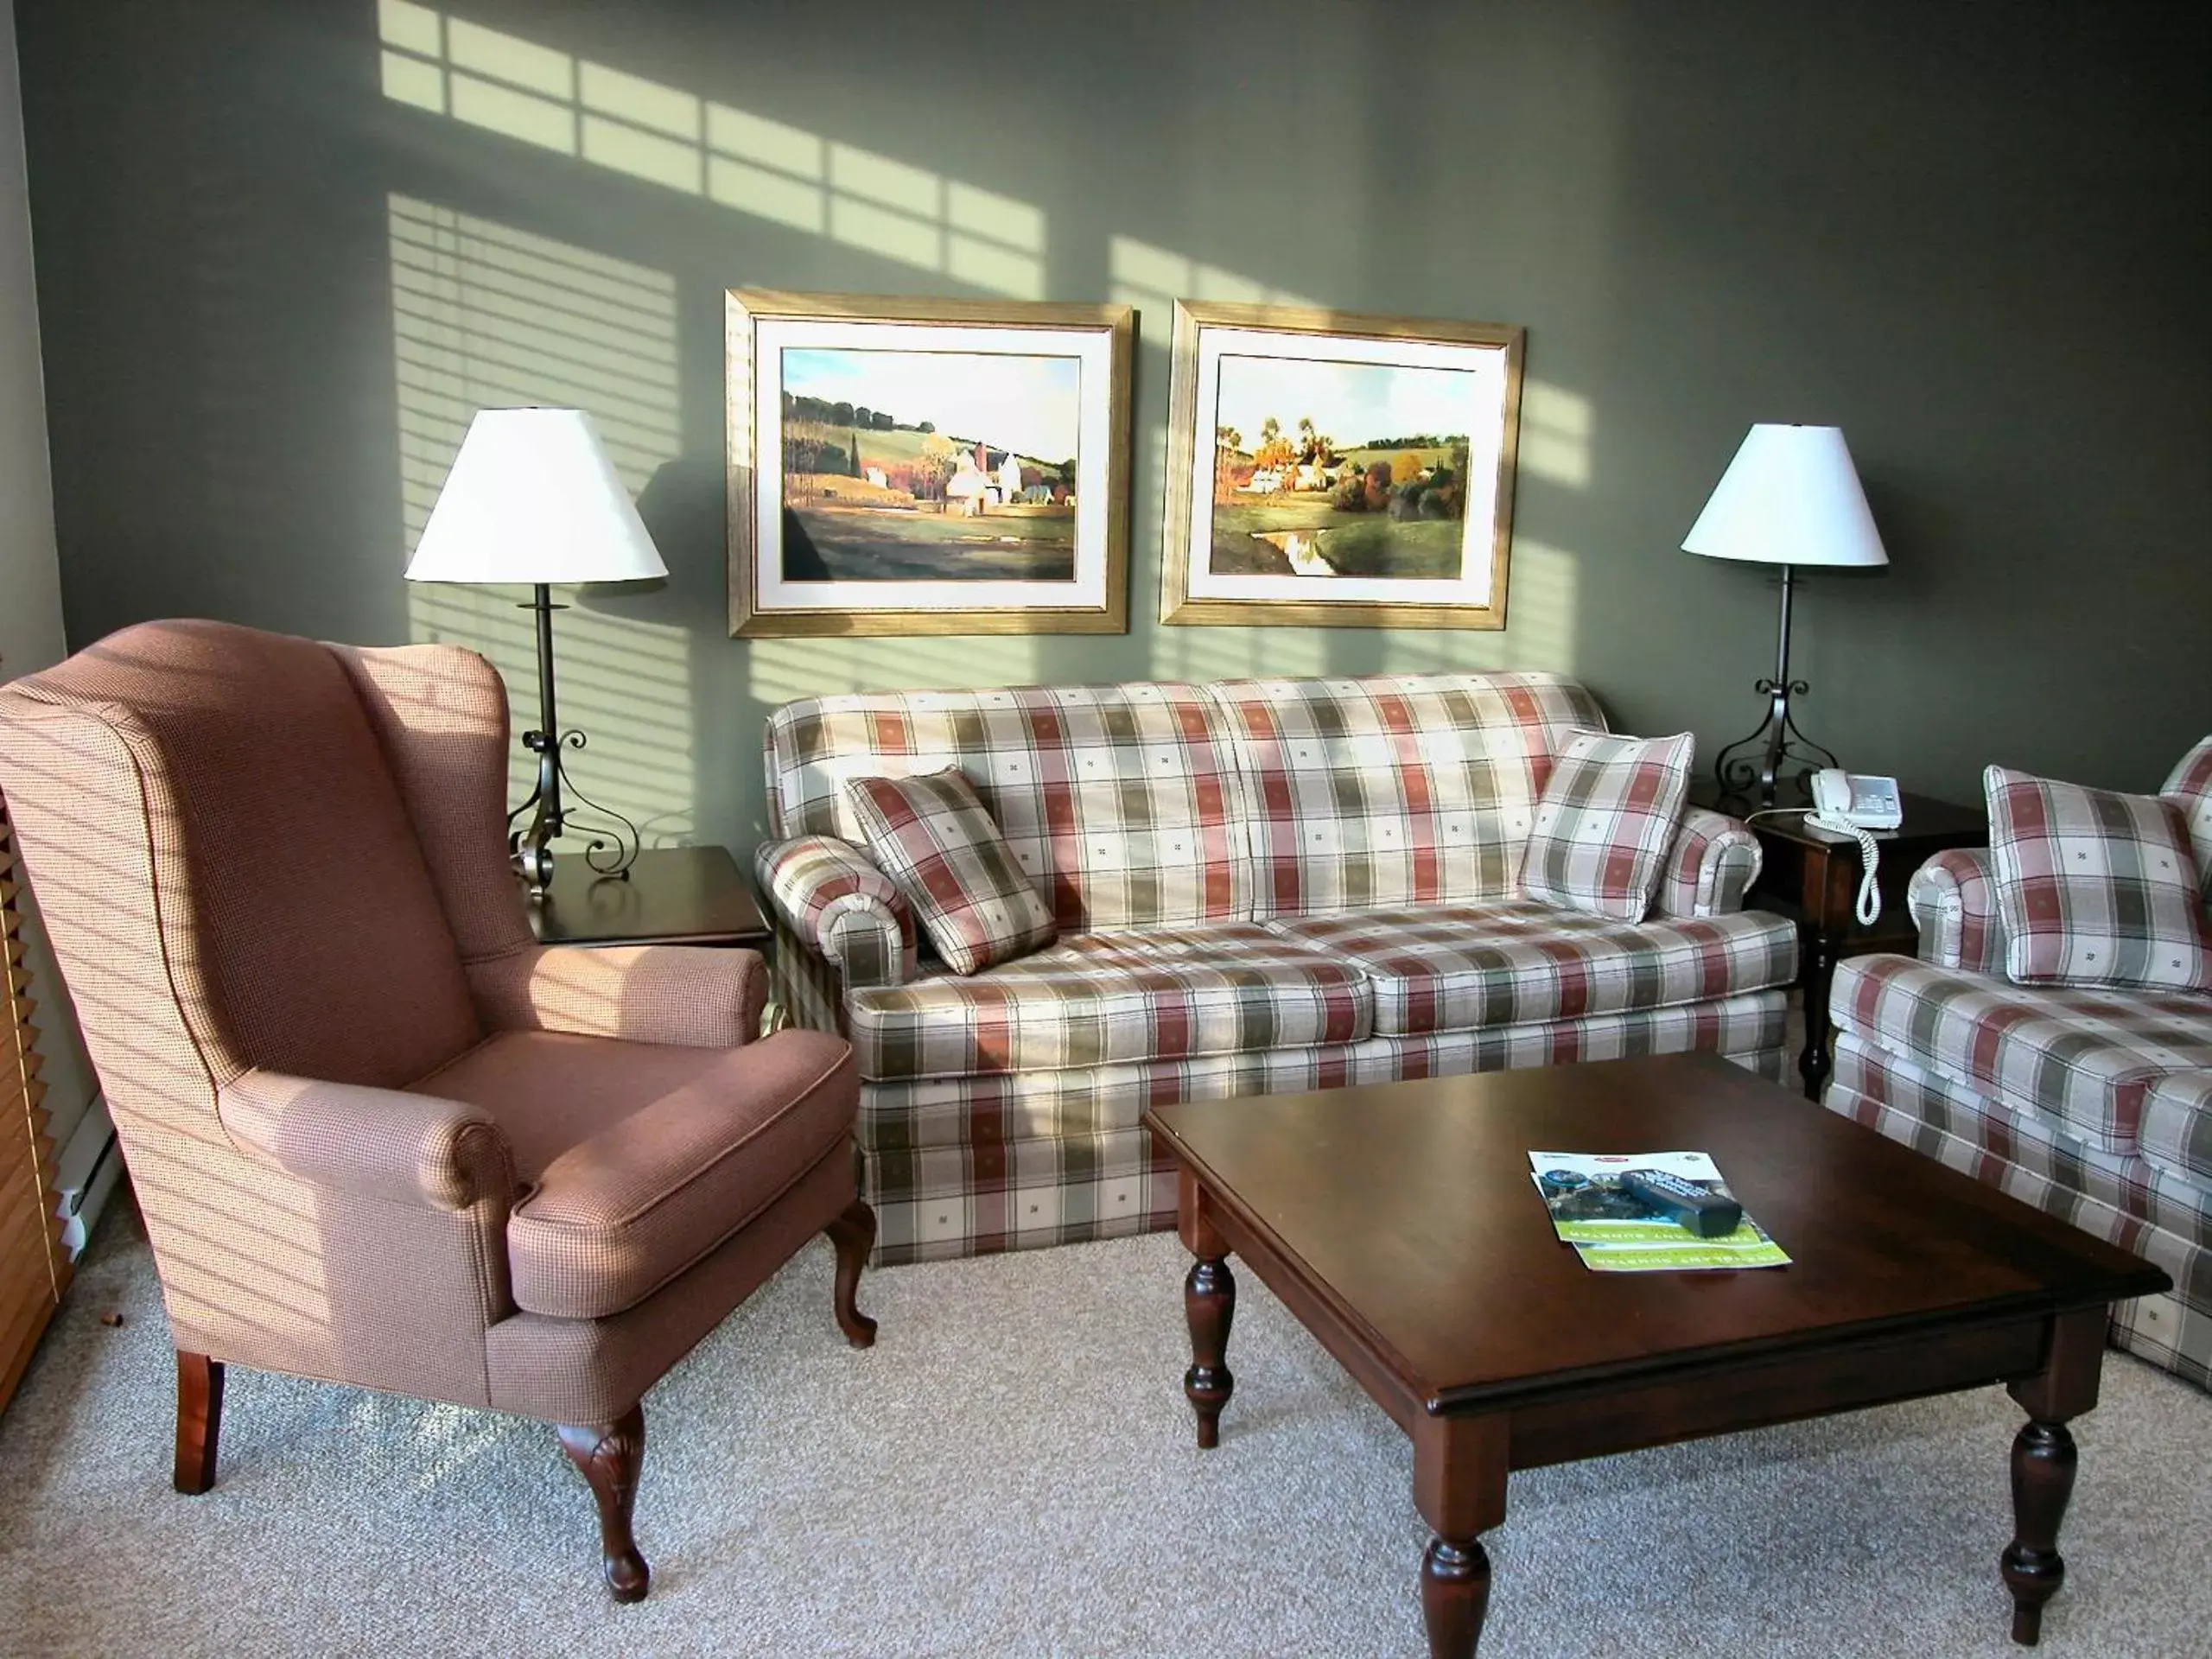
533	497
1790	497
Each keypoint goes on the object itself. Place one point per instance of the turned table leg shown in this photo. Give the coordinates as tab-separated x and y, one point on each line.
1209	1305
2043	1479
2044	1462
1459	1470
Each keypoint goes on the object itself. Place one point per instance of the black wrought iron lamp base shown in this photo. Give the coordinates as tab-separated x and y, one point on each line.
1778	754
610	844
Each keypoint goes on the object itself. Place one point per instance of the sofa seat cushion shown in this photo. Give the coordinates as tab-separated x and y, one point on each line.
637	1159
2087	1058
2177	1125
1101	999
1456	968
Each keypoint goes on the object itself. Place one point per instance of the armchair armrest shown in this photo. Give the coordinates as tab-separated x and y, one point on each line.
1710	868
1954	904
376	1143
687	995
832	898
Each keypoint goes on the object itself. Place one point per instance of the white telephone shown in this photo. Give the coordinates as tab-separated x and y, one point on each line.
1852	803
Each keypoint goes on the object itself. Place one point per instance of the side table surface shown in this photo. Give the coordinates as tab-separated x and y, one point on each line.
674	895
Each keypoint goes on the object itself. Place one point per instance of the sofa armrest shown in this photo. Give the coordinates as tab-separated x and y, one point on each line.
375	1143
1954	904
830	896
687	995
1710	868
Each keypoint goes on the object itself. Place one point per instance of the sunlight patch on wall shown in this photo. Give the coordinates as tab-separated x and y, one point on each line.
485	317
1555	433
1153	279
778	670
747	162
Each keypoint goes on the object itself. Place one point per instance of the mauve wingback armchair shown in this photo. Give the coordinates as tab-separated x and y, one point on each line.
378	1133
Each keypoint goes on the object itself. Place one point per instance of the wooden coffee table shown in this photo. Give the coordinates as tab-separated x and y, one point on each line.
1399	1224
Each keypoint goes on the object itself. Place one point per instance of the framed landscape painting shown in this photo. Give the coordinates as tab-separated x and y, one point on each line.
926	466
1328	469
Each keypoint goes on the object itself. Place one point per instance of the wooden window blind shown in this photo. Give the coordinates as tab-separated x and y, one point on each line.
33	1269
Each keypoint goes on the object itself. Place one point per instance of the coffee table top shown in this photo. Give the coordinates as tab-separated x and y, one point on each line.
1407	1208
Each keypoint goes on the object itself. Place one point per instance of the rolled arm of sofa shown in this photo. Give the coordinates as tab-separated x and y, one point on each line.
1709	868
832	898
1954	904
375	1143
687	995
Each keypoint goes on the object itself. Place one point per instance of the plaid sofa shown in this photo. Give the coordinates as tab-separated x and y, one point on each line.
2095	1105
1260	886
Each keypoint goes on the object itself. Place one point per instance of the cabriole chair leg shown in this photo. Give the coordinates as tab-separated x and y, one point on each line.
610	1456
853	1234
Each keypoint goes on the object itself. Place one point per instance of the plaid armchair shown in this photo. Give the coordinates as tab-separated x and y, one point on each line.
2094	1103
378	1135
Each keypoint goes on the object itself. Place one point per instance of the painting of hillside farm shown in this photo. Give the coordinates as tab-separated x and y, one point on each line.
1326	469
926	465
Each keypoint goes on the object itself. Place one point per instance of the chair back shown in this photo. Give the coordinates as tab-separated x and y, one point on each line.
230	875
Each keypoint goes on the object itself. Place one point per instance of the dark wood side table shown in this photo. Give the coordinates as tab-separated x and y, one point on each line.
675	895
1812	878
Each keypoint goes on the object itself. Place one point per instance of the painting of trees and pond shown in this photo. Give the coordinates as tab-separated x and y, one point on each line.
904	466
1328	469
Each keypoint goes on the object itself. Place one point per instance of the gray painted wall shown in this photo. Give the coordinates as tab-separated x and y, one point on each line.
282	248
31	583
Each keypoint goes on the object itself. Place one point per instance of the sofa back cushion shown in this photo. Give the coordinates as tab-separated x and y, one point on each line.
1399	789
1118	801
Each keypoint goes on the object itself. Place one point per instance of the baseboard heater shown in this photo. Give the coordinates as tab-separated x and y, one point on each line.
85	1176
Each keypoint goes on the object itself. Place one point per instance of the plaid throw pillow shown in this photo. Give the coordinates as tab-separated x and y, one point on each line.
1604	820
2094	887
933	838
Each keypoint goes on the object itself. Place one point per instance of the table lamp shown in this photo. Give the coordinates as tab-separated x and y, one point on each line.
1790	498
533	498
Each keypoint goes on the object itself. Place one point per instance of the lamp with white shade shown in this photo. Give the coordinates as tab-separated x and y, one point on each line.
1791	498
532	498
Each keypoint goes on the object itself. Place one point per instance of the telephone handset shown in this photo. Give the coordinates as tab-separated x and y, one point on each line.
1850	804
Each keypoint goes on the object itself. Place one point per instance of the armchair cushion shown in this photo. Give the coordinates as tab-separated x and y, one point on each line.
691	996
933	837
2177	1125
2094	887
1604	823
638	1158
2085	1057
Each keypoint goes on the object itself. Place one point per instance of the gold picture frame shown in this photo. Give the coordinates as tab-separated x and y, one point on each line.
1382	528
892	516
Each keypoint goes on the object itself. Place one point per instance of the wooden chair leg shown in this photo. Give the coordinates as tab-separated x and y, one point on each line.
610	1456
199	1421
853	1234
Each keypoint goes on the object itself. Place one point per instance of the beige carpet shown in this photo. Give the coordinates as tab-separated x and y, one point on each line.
1011	1471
